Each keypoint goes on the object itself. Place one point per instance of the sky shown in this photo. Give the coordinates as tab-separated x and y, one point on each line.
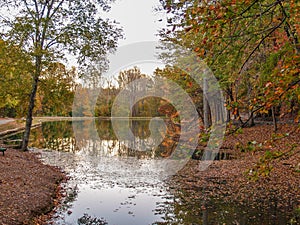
140	22
138	19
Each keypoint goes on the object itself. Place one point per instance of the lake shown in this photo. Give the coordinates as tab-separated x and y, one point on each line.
119	181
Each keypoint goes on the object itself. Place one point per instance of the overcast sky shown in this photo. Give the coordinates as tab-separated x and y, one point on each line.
138	19
140	22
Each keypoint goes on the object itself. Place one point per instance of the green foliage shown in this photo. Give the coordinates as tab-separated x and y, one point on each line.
264	166
55	94
56	91
296	218
204	137
46	30
251	146
15	79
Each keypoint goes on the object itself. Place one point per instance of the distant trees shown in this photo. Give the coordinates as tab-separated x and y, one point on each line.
45	30
146	107
126	77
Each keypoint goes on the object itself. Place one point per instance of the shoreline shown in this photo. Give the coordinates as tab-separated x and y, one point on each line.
22	173
29	188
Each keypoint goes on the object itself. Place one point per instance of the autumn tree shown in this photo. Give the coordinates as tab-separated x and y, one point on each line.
15	69
125	77
56	91
46	29
84	102
106	97
187	83
252	47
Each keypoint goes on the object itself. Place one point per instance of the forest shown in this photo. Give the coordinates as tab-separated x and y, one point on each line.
252	47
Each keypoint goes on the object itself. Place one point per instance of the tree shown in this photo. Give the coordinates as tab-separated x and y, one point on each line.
126	77
15	68
187	83
46	29
252	47
56	90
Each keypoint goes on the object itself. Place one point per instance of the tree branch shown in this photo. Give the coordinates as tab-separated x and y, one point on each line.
259	44
28	9
249	7
291	33
56	8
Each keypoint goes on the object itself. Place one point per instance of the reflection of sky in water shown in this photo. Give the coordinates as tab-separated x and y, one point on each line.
125	188
120	190
116	205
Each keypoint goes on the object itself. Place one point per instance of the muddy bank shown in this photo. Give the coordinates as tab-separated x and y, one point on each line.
28	187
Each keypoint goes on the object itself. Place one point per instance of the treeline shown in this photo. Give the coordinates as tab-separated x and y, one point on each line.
54	95
91	101
61	92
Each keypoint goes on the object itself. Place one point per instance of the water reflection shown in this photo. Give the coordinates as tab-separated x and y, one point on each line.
119	185
59	136
120	190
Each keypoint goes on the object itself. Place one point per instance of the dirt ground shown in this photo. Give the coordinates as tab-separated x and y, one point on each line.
28	187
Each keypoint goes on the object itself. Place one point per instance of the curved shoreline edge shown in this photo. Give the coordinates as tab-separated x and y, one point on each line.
29	188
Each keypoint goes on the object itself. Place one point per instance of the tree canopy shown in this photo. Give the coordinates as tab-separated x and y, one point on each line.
15	69
252	47
47	29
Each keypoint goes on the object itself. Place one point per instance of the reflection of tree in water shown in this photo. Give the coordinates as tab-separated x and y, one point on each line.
105	130
140	128
89	220
60	136
194	206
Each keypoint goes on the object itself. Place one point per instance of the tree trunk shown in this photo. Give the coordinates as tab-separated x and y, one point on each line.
274	119
206	106
228	116
29	116
31	104
252	123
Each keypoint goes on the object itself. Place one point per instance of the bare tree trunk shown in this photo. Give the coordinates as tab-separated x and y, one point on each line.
274	119
229	99
252	123
31	104
207	114
228	116
206	106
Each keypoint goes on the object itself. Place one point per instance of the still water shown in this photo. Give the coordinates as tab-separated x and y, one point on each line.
115	181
